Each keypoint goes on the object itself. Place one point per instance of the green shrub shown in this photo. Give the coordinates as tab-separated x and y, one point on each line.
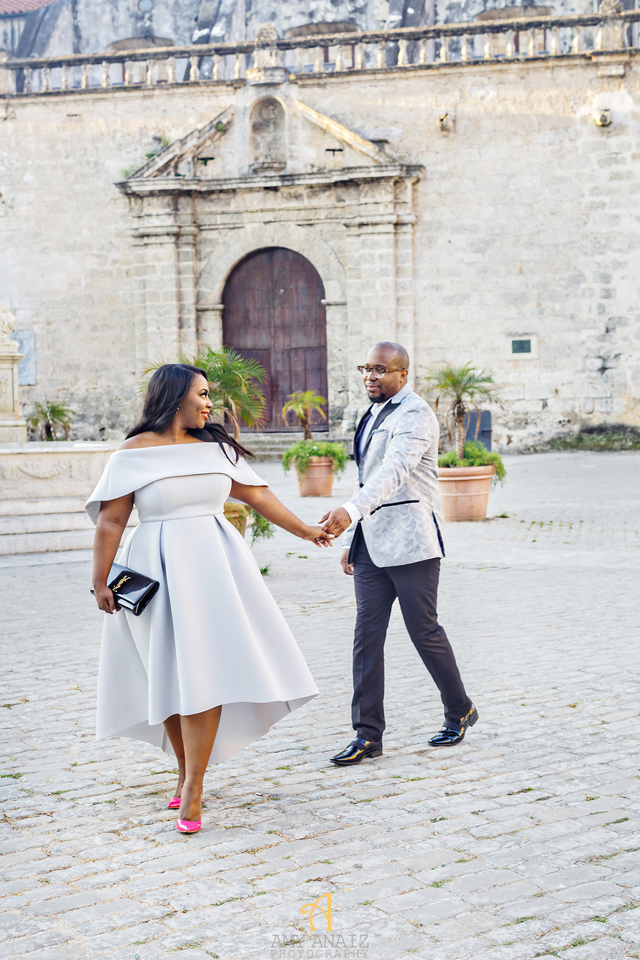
301	452
475	455
261	528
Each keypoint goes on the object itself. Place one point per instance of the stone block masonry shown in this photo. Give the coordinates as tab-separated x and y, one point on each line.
517	221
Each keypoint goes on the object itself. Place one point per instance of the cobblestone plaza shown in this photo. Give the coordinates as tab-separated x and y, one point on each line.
520	843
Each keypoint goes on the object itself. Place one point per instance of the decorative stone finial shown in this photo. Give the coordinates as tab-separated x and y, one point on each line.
267	35
608	7
267	63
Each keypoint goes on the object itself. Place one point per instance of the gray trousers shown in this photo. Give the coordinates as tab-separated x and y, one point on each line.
416	587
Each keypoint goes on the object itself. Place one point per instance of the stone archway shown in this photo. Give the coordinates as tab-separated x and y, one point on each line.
274	312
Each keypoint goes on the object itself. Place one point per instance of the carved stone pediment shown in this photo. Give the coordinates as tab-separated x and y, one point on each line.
269	136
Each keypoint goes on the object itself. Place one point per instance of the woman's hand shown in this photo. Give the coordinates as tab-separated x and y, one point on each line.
105	599
319	536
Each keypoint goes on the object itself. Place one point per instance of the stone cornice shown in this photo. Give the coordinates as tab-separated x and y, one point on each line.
143	187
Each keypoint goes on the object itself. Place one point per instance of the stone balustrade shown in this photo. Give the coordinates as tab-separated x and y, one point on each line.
610	30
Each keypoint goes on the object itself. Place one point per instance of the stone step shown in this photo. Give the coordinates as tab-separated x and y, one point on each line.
44	523
271	446
32	533
44	542
41	505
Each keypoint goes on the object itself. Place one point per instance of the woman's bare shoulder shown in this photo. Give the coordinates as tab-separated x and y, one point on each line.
146	439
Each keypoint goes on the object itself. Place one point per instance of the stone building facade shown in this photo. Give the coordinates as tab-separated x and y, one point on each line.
473	210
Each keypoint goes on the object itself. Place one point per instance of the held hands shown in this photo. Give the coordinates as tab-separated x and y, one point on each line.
105	599
319	536
336	522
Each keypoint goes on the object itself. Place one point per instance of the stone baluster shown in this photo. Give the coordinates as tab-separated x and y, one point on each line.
488	51
106	77
402	53
85	82
554	42
127	73
46	79
28	80
510	45
444	49
531	43
64	76
150	66
576	43
359	56
381	59
7	77
611	34
423	51
464	48
216	69
171	70
339	59
195	69
237	66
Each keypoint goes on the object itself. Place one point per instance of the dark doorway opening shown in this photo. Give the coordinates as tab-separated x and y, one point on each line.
273	313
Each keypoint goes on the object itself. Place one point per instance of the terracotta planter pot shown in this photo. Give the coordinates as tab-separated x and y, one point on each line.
317	481
237	514
465	491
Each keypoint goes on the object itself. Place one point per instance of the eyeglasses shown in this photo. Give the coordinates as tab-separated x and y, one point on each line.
377	371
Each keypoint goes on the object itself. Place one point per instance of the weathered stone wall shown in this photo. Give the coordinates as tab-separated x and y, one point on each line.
526	225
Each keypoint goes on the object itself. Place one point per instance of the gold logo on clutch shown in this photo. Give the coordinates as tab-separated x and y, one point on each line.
120	582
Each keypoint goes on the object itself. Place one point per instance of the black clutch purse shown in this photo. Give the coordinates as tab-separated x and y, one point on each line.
132	590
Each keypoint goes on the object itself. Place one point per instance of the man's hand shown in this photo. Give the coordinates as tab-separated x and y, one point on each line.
344	561
336	522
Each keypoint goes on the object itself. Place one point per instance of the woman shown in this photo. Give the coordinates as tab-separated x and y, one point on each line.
210	664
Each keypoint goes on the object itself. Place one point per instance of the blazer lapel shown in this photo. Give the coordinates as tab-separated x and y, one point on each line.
356	436
388	410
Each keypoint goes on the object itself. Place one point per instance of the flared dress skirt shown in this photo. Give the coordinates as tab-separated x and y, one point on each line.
212	635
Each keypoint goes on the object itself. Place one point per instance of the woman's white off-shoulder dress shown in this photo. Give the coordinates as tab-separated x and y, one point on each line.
213	633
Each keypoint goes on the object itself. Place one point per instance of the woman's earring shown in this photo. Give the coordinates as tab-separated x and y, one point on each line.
177	408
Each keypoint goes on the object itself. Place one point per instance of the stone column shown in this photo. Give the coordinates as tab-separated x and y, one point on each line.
12	428
209	327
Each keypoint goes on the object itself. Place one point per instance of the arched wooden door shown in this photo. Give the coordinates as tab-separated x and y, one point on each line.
273	313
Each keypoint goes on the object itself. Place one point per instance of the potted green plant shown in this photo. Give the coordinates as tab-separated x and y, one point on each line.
316	461
47	419
465	475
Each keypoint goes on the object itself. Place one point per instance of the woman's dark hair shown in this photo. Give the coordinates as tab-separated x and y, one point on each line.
167	388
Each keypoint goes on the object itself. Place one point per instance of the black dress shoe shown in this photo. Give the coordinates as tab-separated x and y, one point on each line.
448	737
357	750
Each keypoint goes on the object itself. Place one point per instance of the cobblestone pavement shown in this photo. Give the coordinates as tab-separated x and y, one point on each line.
522	842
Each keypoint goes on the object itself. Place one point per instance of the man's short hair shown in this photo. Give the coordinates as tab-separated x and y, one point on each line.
399	351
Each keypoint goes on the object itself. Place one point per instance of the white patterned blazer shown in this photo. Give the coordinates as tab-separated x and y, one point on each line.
399	462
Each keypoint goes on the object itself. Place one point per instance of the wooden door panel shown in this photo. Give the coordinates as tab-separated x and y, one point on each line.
274	314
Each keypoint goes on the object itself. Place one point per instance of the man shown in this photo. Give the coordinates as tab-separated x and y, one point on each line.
393	548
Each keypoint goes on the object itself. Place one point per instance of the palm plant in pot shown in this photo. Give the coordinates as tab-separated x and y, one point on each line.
316	461
49	418
237	397
466	473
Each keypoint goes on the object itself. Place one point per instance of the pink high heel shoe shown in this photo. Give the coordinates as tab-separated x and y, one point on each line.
174	804
188	826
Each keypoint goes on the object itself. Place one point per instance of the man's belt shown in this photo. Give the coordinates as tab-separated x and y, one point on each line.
399	503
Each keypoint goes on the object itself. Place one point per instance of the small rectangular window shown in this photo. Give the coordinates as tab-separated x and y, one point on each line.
521	346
